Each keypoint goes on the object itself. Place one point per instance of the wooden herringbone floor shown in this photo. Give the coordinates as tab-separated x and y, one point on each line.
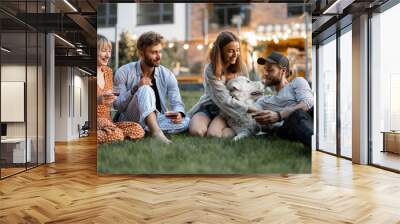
70	191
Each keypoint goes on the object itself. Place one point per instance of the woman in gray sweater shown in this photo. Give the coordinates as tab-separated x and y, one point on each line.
225	64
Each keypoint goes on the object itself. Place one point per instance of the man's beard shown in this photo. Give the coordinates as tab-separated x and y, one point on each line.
150	63
272	82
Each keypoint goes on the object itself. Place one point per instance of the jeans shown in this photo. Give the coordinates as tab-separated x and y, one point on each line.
299	126
142	104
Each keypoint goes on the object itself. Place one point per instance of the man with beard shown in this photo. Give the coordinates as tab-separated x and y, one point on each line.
290	111
143	87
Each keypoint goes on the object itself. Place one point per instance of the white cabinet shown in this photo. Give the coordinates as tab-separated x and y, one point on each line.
16	148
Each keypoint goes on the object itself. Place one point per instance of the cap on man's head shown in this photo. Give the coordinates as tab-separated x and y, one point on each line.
275	58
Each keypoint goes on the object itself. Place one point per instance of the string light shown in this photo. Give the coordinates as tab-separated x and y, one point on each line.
251	38
276	40
303	34
277	28
286	27
263	33
269	28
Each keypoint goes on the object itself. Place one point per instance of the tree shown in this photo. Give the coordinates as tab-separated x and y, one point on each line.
173	55
127	49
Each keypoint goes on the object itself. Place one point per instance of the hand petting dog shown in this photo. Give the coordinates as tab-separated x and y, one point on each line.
266	117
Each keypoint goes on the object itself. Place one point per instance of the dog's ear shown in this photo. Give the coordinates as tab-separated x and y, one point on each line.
235	86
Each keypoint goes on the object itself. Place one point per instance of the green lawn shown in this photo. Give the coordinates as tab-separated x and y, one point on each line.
195	155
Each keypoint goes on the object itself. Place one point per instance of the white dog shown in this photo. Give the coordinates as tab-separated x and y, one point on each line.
247	91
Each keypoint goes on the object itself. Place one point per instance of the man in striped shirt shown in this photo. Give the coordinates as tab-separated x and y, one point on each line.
143	87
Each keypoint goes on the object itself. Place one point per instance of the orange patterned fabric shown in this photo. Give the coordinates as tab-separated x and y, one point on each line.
104	122
103	110
131	130
108	132
109	135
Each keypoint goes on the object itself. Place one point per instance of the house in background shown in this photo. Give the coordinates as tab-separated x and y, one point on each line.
262	28
335	70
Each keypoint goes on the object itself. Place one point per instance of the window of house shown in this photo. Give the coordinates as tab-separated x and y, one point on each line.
106	15
222	15
150	14
295	10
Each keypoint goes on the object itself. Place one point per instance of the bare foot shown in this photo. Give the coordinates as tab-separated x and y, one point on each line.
160	136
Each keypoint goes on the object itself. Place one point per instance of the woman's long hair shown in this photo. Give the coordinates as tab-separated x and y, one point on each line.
216	55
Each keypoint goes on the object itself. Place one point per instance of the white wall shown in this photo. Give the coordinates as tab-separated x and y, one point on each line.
50	95
360	90
80	96
174	31
108	32
127	21
126	18
62	103
14	73
17	73
34	125
68	83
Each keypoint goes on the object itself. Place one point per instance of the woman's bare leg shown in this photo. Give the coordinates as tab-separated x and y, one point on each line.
217	125
228	133
199	124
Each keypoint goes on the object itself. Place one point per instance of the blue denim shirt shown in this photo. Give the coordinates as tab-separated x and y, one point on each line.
129	75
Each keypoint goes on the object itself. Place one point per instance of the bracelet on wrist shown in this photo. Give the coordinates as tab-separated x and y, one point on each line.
279	116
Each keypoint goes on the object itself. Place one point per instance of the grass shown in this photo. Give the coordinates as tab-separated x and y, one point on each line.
195	155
